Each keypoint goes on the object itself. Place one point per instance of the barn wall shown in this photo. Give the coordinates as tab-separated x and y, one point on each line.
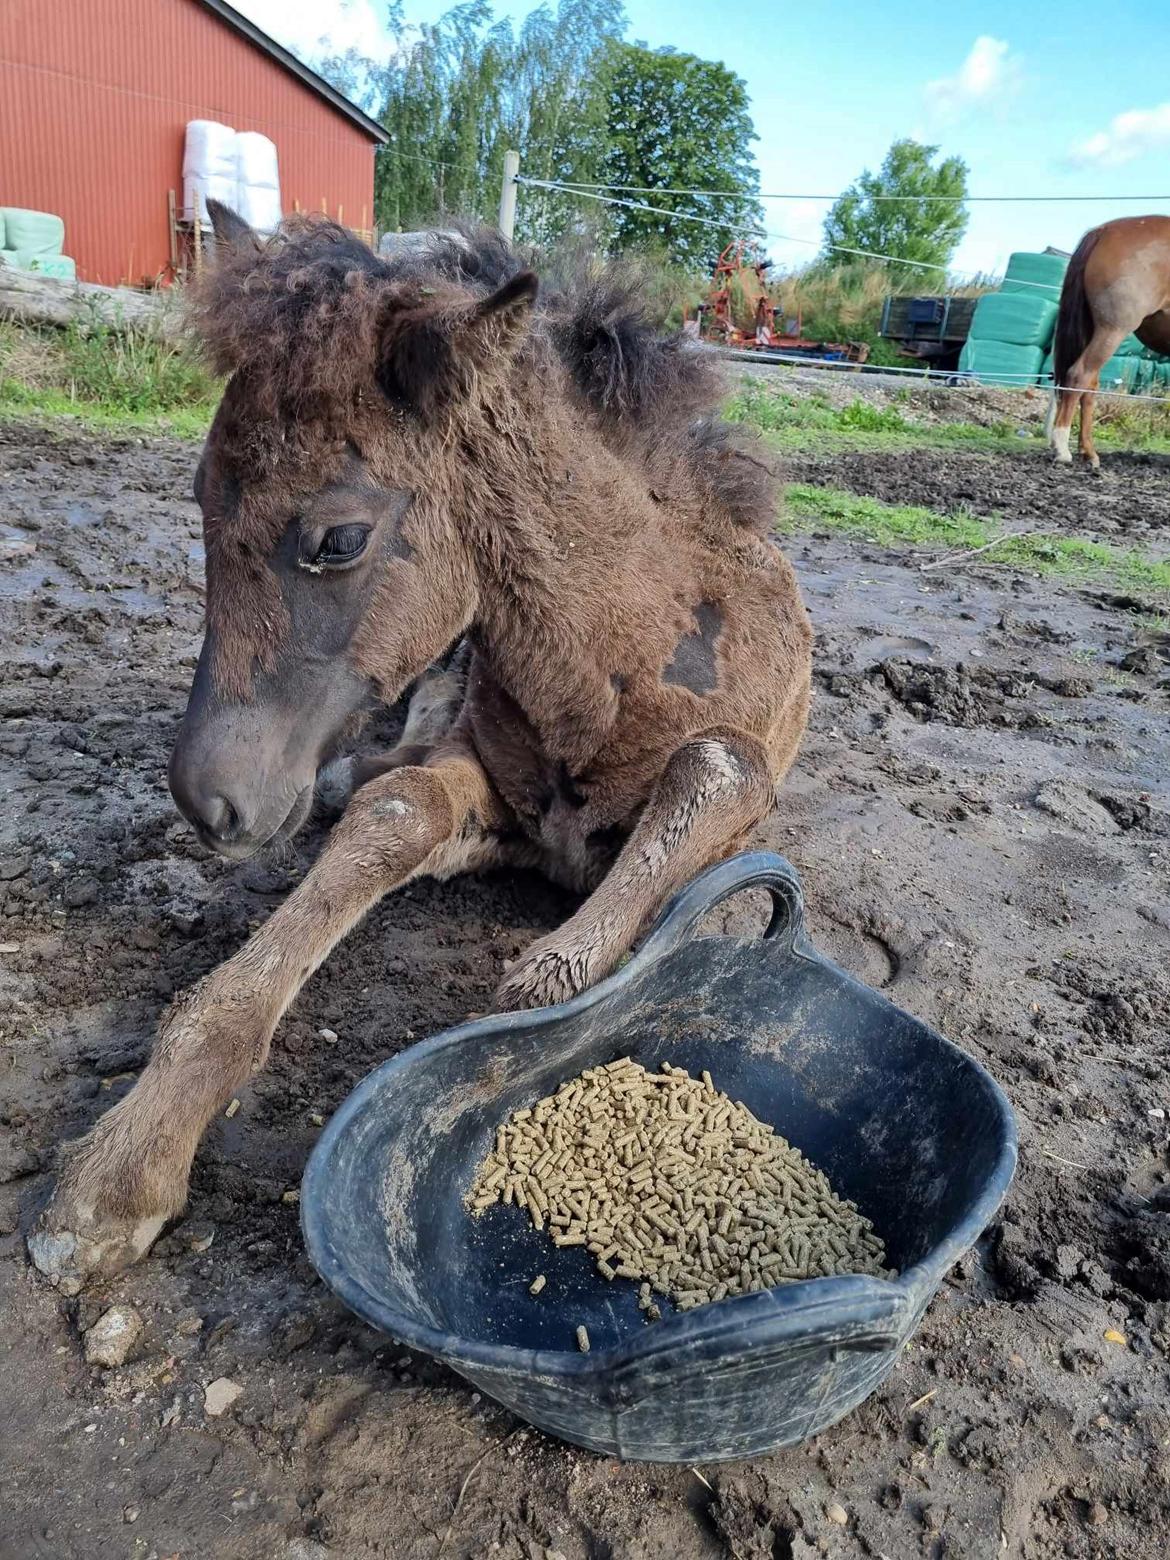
94	98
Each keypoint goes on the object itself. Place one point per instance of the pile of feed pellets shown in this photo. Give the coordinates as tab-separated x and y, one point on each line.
669	1182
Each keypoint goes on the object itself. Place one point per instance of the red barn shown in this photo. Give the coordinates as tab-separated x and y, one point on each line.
95	97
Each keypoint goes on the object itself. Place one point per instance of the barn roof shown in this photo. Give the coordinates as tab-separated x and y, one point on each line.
318	84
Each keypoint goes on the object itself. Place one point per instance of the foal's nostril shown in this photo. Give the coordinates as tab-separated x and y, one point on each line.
218	818
212	812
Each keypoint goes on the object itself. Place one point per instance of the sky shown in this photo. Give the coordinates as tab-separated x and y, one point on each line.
1045	98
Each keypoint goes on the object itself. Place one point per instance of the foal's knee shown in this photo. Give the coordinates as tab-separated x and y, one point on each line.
724	768
394	821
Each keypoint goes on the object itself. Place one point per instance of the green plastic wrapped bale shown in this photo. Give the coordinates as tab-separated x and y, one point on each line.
1041	275
1120	373
1000	362
59	266
1021	319
1017	318
33	232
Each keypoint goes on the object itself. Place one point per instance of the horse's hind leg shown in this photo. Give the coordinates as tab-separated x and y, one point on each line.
124	1180
1088	406
714	789
1083	378
1060	425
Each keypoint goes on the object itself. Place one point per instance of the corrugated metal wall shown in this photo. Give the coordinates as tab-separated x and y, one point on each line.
94	98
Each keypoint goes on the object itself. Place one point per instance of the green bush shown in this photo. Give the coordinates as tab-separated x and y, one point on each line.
131	370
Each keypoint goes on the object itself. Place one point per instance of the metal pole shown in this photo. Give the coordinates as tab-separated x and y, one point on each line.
508	195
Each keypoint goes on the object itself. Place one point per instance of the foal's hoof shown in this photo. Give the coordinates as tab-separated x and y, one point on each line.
541	978
72	1244
335	787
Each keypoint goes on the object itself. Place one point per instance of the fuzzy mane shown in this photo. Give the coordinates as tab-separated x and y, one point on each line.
293	314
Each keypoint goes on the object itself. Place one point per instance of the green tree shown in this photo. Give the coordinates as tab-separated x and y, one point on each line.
459	92
678	122
883	213
558	108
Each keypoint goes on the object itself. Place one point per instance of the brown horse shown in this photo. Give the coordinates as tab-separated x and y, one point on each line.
1117	282
408	456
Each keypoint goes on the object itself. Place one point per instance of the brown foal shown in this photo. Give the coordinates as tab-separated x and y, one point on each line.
411	456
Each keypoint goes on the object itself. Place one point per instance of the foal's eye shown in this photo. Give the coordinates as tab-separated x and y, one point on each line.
342	544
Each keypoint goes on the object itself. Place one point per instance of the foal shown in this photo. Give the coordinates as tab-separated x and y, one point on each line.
408	454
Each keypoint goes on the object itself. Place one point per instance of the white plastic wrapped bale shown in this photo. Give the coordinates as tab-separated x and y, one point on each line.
259	207
256	160
259	181
210	150
209	167
198	191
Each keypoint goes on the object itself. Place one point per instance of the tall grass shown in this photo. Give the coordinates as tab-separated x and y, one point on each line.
843	301
133	371
134	375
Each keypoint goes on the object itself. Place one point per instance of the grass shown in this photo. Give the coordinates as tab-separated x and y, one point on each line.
797	422
106	378
812	422
829	509
839	303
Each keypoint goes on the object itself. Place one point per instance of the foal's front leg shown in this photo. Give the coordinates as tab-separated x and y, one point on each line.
124	1180
714	789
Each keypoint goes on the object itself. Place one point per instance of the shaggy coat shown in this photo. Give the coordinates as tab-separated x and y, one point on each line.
414	453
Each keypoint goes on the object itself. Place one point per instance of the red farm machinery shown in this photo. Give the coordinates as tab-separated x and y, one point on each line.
740	312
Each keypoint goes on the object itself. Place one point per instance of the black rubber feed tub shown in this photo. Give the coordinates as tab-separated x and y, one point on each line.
901	1121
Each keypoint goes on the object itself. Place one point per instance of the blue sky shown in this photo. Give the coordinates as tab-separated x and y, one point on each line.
1041	98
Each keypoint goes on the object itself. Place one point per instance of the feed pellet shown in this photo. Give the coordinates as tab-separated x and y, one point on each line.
665	1180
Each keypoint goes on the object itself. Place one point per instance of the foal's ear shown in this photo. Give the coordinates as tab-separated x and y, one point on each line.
506	311
229	227
430	356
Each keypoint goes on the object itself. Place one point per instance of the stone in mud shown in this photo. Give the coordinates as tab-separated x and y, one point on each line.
219	1395
1071	804
112	1336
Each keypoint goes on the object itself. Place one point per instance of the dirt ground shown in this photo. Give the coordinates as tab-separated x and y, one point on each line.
981	815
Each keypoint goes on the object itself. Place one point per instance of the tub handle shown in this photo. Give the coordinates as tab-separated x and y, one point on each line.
750	869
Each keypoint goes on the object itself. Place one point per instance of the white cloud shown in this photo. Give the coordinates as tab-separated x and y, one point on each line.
312	28
988	77
1130	135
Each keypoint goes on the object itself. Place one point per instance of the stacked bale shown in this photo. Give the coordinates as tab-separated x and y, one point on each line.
1011	333
33	241
258	181
237	168
1011	330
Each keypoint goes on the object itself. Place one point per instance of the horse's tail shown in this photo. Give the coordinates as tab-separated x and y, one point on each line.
1074	322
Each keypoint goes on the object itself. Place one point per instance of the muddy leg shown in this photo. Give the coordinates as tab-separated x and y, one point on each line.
714	789
124	1180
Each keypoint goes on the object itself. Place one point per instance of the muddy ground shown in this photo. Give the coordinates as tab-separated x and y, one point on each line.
981	814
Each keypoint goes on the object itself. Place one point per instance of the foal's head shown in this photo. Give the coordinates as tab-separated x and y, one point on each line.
333	485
